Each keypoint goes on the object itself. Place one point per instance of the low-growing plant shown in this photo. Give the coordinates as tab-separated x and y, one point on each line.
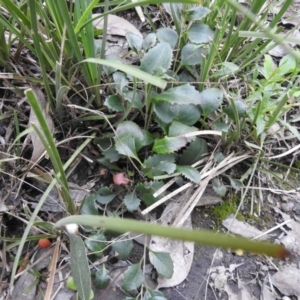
160	117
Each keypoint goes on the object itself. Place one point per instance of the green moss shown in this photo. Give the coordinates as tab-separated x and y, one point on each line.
223	210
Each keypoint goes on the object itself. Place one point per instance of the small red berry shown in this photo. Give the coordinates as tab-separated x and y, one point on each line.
44	243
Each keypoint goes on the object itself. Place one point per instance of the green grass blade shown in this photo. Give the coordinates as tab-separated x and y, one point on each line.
197	236
135	72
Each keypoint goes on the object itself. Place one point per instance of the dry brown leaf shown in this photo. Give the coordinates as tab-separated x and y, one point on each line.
38	147
116	25
287	281
181	252
241	228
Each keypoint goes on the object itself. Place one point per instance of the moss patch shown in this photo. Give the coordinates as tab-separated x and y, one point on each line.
224	209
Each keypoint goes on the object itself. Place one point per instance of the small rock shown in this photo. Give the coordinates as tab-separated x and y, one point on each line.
264	268
284	198
287	206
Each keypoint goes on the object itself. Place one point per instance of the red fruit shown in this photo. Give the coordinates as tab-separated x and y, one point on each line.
44	243
120	179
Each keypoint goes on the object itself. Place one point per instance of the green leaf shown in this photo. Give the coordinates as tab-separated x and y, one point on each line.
221	126
149	41
133	278
287	64
269	67
200	33
190	173
123	248
211	100
163	263
178	129
227	68
146	190
241	109
88	206
197	13
169	144
102	278
154	295
132	202
159	164
219	187
192	55
167	35
166	111
106	163
133	98
193	152
114	103
235	183
184	94
157	60
121	81
128	138
188	114
135	42
96	243
80	267
218	157
104	195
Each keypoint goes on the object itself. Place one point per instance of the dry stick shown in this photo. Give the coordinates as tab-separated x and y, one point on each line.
221	168
164	199
52	270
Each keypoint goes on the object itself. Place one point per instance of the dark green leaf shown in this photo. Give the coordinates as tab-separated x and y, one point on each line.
104	195
96	243
147	189
197	13
169	144
166	111
102	278
193	152
88	206
192	55
80	267
235	183
114	103
112	155
162	263
133	278
148	139
188	114
184	94
190	173
154	295
178	129
219	187
167	35
221	126
157	60
200	33
211	100
123	248
106	163
133	98
134	41
159	164
132	202
128	137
